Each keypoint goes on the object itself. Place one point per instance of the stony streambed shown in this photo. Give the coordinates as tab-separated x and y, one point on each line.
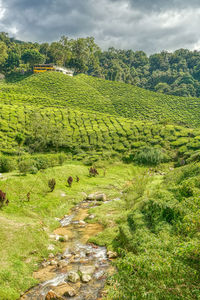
80	272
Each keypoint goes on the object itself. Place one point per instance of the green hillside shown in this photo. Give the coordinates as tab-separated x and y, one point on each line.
79	132
137	103
53	126
90	93
56	112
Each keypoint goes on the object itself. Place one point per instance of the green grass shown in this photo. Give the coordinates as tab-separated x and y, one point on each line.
25	226
155	230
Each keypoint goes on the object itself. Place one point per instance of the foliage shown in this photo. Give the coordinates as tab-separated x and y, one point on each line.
52	184
93	172
3	199
32	56
61	158
3	53
149	156
27	166
69	181
155	230
7	164
176	73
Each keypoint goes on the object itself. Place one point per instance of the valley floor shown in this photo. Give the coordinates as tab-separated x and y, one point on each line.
26	226
152	223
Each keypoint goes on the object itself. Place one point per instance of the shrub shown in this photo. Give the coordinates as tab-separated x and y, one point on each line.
194	157
26	166
19	138
87	162
93	172
33	170
7	164
70	180
41	162
187	188
3	199
150	156
52	184
61	158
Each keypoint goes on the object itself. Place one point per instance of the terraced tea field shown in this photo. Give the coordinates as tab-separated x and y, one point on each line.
101	123
83	131
88	111
91	93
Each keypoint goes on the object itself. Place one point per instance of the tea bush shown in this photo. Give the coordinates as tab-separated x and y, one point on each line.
27	166
150	156
7	164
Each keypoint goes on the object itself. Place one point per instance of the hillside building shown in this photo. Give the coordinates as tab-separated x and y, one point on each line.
40	68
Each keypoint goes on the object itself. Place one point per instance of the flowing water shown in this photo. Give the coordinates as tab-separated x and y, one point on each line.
79	256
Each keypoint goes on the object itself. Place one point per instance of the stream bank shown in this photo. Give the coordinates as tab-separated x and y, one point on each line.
81	271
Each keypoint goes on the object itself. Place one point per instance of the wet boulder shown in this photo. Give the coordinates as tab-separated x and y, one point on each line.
86	278
101	197
65	290
87	270
98	275
73	277
51	255
70	293
97	196
51	295
53	262
91	197
81	222
45	264
62	264
66	256
111	254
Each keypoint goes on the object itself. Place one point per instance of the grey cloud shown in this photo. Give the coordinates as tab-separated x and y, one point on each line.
137	24
160	5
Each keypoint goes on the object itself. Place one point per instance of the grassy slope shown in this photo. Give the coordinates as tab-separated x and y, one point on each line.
55	97
155	228
98	132
90	93
137	103
23	239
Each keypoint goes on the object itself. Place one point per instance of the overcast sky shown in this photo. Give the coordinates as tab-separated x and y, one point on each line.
148	25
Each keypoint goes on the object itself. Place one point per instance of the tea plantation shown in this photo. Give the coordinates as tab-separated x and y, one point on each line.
84	114
79	131
145	149
90	93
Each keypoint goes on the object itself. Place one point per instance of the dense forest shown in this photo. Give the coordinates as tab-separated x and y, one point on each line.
176	73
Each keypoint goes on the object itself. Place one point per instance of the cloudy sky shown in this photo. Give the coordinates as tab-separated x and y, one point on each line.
149	25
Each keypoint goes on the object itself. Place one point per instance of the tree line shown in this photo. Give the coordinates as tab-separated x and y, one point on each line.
176	73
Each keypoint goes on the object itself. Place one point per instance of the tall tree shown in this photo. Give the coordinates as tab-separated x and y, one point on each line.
32	57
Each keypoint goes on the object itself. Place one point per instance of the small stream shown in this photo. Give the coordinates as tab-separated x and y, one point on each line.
79	257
